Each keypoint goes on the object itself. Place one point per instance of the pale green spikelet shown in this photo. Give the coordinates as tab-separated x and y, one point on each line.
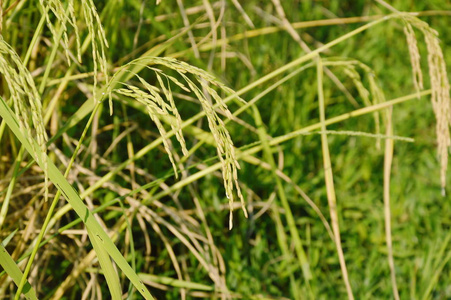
440	90
371	96
63	16
357	80
414	57
98	41
91	18
26	101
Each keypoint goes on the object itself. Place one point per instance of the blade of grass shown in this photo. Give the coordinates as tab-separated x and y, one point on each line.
176	282
439	267
53	205
109	272
10	266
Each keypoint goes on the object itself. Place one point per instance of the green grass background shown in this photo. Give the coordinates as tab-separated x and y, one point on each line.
254	262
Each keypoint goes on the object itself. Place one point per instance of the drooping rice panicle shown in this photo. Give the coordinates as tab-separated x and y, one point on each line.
440	89
63	16
26	101
414	57
91	18
157	107
98	41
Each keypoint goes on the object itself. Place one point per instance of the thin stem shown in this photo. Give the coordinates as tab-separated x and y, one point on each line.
388	158
51	59
35	38
331	196
10	8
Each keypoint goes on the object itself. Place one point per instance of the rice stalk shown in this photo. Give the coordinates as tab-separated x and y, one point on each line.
98	41
331	195
439	85
389	149
414	57
371	96
95	29
63	16
388	159
157	107
26	101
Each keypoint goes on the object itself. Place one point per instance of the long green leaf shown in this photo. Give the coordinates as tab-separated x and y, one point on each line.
74	199
109	272
10	266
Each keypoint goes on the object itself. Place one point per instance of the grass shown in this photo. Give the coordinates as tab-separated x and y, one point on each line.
276	150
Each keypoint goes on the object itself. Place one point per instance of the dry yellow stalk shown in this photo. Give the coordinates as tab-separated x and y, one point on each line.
439	84
414	57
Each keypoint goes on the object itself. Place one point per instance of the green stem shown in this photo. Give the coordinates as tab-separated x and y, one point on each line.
36	35
329	179
50	61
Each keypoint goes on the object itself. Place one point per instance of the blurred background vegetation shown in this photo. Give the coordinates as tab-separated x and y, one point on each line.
254	265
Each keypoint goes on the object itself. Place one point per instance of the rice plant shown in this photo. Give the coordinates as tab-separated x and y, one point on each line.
128	140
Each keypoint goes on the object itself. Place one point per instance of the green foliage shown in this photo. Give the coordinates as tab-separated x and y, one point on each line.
332	152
